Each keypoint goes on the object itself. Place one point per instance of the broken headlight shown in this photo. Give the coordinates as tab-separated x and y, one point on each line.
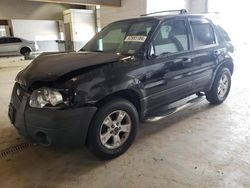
47	97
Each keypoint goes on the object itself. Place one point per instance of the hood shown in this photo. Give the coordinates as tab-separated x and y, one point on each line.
51	66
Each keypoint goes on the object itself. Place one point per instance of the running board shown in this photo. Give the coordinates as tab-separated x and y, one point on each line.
158	116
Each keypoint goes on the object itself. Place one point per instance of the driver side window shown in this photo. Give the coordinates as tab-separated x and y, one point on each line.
171	38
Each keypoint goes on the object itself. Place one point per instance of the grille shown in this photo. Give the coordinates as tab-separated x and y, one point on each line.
15	149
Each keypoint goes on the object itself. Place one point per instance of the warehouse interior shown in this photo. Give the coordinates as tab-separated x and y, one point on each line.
202	146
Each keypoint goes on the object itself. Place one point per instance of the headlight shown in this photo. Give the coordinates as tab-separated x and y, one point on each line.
45	96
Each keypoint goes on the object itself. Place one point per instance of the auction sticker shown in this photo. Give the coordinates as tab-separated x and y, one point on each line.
136	38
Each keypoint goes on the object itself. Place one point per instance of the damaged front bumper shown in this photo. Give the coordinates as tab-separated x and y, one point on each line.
49	126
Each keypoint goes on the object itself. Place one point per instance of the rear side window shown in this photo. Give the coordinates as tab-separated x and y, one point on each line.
203	35
224	33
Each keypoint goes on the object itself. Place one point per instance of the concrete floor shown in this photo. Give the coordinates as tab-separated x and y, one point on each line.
204	146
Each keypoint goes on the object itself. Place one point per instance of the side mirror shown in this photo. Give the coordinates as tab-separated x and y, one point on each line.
151	52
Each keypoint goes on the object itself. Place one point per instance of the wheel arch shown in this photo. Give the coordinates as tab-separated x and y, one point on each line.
127	94
228	63
24	47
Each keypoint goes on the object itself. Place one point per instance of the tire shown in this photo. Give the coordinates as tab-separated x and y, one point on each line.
105	129
221	87
25	51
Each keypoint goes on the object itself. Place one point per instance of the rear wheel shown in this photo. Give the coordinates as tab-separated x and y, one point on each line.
25	51
221	87
113	129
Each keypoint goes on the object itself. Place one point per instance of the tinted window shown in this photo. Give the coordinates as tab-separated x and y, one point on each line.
171	38
3	40
224	33
203	34
14	40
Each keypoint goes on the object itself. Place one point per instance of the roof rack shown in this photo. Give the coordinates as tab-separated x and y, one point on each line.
181	11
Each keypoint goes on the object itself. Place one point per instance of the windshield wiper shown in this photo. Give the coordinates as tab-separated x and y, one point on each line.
96	50
165	53
84	50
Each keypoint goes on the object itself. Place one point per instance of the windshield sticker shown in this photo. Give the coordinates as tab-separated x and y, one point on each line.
136	38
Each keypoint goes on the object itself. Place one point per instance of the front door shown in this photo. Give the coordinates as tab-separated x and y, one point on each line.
169	68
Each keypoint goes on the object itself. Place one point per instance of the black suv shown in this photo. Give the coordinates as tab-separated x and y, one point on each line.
132	70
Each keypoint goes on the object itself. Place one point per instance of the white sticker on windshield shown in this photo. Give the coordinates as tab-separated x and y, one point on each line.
135	38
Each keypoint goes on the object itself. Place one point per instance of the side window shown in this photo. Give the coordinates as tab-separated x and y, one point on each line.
14	40
203	35
224	33
171	38
3	41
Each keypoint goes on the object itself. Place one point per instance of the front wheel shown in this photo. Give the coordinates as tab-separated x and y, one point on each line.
113	129
221	87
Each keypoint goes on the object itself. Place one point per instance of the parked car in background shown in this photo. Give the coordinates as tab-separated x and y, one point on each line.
15	46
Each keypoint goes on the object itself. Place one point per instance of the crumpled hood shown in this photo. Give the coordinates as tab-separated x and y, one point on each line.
51	66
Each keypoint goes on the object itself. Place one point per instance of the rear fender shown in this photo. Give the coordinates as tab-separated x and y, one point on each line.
226	63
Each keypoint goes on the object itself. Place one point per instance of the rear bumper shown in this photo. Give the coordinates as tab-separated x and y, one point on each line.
49	126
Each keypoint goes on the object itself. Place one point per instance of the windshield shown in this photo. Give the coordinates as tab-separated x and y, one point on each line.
125	37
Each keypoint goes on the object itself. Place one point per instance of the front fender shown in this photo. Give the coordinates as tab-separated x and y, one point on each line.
100	87
99	92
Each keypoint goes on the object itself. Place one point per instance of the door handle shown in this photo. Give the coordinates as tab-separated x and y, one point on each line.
217	53
186	61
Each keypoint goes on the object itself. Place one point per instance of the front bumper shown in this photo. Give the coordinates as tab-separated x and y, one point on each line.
49	126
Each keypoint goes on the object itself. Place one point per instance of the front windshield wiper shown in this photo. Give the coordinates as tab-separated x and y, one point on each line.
165	53
96	50
83	50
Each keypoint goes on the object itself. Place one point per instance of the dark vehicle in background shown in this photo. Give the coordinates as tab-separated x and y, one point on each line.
16	46
132	70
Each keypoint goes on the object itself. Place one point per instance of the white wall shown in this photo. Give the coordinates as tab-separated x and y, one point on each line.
35	30
82	26
44	32
198	6
134	8
161	5
24	9
232	16
129	9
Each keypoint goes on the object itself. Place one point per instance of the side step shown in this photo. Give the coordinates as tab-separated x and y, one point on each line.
165	111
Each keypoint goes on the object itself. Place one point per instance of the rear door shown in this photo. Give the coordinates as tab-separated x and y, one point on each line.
169	70
205	52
